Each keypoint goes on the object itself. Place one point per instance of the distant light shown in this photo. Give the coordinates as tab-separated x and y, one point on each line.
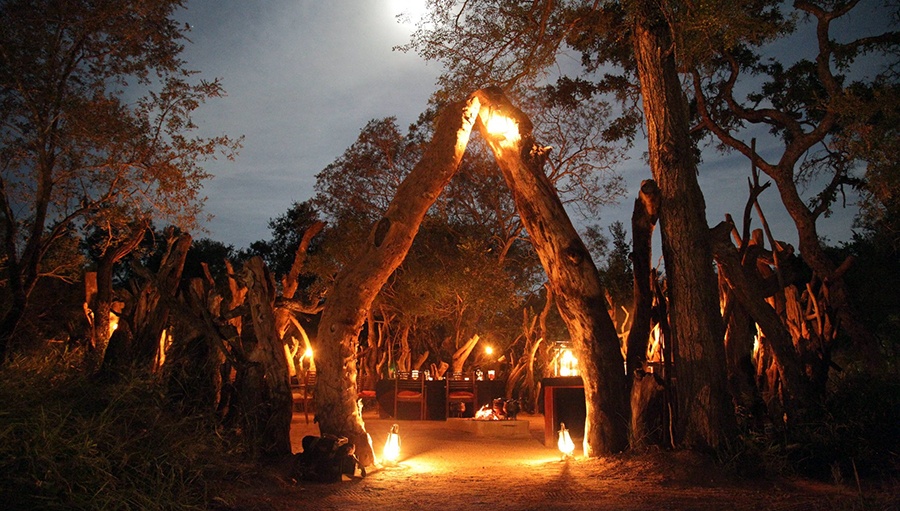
308	353
488	350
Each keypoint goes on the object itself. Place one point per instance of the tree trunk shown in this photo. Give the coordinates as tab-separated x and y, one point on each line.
746	289
643	221
646	392
270	419
102	303
151	313
460	356
571	271
705	417
865	344
360	281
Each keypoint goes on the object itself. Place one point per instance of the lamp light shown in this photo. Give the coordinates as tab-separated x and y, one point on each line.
392	446
565	444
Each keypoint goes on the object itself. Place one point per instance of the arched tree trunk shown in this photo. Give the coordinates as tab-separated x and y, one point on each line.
570	269
705	416
361	280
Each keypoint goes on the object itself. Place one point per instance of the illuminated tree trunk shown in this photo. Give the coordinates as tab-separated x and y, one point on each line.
572	274
705	417
746	284
151	315
360	281
646	390
643	221
101	304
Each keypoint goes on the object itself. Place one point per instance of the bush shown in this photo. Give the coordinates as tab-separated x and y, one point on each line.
68	442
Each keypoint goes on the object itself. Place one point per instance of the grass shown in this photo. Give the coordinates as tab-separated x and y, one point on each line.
69	442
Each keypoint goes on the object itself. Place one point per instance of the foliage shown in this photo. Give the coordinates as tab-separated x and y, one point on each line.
96	110
210	252
287	232
67	442
875	284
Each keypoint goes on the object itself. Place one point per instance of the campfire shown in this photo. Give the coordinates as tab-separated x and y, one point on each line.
498	410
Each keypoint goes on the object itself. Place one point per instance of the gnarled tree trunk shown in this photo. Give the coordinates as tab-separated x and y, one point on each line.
267	395
360	281
705	417
571	271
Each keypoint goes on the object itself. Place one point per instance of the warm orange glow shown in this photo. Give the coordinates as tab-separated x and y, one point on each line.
565	444
504	128
308	353
488	350
392	447
568	364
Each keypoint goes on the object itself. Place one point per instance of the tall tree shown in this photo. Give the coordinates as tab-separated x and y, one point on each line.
822	109
71	143
514	45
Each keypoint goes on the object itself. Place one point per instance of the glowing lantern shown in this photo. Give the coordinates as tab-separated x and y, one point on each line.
568	364
565	444
392	446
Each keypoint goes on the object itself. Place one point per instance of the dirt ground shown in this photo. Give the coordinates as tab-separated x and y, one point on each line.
443	468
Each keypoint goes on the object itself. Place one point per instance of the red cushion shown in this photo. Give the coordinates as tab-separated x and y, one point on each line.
461	395
408	393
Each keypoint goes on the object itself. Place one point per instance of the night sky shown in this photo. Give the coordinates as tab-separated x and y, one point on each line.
303	77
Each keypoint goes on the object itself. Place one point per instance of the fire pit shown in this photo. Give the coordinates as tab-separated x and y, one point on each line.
496	420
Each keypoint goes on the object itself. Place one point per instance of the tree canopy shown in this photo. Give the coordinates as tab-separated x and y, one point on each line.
96	109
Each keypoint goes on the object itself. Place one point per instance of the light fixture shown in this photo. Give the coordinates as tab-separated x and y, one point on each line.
392	447
505	129
565	444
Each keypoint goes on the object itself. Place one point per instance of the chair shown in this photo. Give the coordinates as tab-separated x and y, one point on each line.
408	390
461	390
303	391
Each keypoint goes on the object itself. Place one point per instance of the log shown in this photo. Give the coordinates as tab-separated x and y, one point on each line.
151	314
745	284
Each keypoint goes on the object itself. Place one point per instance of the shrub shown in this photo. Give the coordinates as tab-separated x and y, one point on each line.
69	442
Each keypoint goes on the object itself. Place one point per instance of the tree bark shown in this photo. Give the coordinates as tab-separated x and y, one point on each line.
151	313
746	285
643	221
571	271
270	420
102	303
705	417
646	391
360	281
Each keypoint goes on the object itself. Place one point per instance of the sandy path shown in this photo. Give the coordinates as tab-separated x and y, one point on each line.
445	469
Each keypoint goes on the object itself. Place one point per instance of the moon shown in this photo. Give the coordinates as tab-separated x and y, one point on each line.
407	13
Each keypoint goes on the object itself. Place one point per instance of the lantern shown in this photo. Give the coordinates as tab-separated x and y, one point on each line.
392	446
565	444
